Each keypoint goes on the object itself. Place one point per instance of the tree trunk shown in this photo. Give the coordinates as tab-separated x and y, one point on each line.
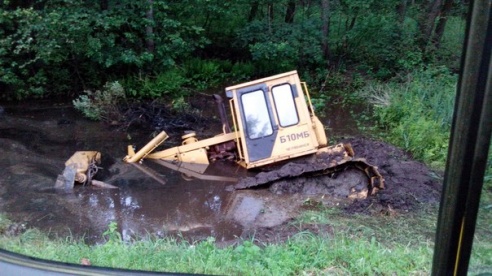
253	11
401	10
149	30
441	23
270	11
290	12
325	18
427	23
104	4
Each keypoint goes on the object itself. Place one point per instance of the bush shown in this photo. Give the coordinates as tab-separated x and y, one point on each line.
171	83
102	105
278	47
242	71
205	74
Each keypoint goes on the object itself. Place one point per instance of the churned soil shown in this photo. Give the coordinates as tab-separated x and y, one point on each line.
408	183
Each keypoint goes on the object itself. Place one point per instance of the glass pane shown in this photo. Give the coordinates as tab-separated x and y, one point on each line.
256	114
284	103
481	255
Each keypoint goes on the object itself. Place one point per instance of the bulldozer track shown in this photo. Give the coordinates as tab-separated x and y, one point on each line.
321	166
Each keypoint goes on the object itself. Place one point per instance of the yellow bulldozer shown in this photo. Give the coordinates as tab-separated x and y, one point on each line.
273	121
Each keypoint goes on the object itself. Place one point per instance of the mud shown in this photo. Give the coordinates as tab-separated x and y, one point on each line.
409	183
36	140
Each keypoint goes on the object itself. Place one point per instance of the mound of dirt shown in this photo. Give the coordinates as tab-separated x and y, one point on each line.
409	183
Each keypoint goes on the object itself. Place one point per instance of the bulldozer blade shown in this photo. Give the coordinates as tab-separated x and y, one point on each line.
66	180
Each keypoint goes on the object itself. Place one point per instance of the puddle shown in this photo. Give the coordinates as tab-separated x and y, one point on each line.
340	119
36	143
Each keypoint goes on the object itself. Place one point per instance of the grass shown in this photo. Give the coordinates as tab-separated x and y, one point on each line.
304	254
415	112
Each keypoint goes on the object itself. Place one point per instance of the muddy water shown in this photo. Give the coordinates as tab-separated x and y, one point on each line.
35	142
339	119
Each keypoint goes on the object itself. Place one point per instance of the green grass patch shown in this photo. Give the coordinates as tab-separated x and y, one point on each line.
415	112
391	229
304	253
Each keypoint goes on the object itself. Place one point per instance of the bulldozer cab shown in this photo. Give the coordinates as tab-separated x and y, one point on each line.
274	120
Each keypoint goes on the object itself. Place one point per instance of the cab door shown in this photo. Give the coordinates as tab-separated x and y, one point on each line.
256	114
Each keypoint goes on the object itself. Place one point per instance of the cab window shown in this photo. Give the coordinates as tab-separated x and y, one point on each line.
255	109
285	105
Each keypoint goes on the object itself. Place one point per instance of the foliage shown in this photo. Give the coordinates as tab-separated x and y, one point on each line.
80	46
58	47
195	74
205	74
242	71
101	105
452	43
338	87
171	82
113	237
483	250
280	47
417	113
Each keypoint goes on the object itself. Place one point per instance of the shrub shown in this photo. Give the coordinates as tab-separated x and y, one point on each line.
242	71
171	83
204	74
102	104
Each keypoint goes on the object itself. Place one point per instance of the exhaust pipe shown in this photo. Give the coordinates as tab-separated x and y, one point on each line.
222	113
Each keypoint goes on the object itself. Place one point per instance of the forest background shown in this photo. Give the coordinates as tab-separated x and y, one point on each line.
156	48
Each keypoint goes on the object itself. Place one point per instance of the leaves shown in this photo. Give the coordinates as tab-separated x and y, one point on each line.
41	44
64	46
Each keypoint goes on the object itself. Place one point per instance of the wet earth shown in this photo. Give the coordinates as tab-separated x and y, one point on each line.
36	140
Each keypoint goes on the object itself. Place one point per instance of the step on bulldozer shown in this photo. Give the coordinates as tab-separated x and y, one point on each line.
273	120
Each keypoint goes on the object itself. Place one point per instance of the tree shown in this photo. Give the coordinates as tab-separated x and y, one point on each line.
104	4
427	22
441	23
149	29
401	10
253	10
325	18
72	45
290	12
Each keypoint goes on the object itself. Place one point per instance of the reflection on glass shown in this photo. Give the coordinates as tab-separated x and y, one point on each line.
256	113
284	103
